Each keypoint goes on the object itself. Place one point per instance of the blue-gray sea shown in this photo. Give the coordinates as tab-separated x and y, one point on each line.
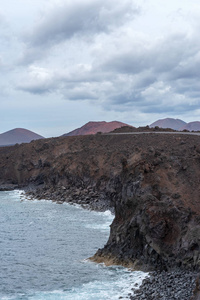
44	249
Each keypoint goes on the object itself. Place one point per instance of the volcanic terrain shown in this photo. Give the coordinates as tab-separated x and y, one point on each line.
150	180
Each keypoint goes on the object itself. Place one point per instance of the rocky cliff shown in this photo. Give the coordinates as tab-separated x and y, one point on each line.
151	180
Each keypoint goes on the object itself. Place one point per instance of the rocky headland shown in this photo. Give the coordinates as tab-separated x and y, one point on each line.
151	182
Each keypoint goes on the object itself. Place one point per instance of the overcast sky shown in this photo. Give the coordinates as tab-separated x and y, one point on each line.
66	62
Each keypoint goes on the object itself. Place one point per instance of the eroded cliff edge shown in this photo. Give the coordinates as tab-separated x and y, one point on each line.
151	180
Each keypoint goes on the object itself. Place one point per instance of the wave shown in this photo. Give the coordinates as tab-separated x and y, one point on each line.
121	285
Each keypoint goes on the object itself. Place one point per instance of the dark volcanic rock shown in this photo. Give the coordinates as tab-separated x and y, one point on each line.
151	180
176	285
155	222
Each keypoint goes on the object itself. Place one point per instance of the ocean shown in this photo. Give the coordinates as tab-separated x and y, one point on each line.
44	248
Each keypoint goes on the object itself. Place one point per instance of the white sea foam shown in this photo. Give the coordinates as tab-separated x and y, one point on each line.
120	286
20	195
107	213
15	194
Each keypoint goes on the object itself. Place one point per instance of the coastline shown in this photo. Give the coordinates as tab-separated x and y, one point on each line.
176	284
88	198
152	182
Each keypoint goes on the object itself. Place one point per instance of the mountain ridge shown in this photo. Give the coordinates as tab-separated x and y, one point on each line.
22	135
176	124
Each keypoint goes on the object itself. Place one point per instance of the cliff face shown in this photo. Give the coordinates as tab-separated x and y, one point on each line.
157	221
151	180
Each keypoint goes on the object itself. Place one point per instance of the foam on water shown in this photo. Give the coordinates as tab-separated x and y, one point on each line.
120	285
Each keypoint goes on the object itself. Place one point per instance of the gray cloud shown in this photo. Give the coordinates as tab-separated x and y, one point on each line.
36	89
124	70
80	18
173	61
161	57
82	92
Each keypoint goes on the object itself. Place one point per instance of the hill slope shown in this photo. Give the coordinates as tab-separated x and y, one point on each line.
192	126
94	127
175	124
18	135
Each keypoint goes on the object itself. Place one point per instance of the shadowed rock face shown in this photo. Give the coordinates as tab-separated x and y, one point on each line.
151	180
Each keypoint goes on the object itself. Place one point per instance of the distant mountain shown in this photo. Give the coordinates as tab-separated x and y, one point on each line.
94	127
175	124
18	135
192	126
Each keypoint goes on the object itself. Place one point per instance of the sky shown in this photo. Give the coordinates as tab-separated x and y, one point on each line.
64	63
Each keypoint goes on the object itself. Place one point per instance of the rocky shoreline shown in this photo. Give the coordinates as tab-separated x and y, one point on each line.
173	285
87	198
159	285
151	182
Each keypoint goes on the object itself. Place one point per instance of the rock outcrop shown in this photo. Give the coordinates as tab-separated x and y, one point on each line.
151	180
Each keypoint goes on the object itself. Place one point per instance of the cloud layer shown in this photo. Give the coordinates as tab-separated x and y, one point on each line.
117	55
80	18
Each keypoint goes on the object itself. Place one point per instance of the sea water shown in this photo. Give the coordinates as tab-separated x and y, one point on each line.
44	249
